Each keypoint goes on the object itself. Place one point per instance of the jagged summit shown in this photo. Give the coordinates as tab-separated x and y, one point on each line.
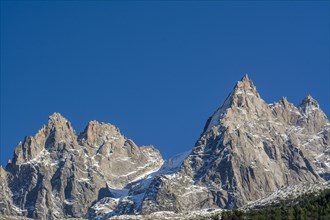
71	173
309	101
244	99
244	86
93	124
247	151
56	118
249	148
58	124
56	115
96	133
286	104
284	99
245	77
245	102
312	116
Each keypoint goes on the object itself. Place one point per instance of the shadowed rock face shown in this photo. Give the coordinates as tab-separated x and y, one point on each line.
247	150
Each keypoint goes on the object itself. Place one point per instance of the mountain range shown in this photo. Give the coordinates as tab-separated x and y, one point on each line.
247	151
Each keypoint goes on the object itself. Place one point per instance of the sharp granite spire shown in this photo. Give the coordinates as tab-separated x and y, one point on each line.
244	99
309	101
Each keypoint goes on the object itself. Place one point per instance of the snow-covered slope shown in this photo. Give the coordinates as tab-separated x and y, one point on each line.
129	199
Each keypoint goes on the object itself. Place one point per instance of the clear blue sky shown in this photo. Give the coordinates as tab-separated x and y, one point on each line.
157	70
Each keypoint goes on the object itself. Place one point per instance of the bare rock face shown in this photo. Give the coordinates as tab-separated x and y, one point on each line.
56	174
248	150
312	117
111	151
6	206
41	174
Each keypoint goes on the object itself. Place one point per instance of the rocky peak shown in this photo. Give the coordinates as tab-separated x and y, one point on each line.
97	133
56	135
68	173
285	102
312	117
58	124
250	145
56	118
308	104
244	100
245	86
109	149
285	105
247	150
285	111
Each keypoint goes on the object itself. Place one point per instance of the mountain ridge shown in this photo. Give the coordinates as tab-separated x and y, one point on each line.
247	150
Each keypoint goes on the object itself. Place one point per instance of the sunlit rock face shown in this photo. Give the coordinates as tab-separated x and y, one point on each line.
248	149
56	174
